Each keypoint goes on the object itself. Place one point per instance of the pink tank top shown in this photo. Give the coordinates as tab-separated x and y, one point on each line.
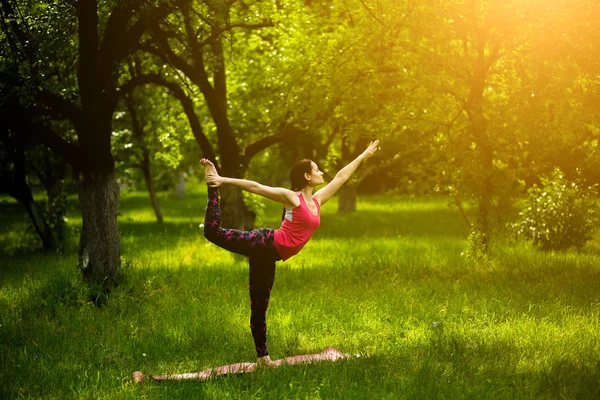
296	229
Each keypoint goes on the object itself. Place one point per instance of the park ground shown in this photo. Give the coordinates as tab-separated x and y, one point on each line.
389	281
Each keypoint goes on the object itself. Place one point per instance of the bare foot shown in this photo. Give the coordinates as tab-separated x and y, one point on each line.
267	362
331	354
209	167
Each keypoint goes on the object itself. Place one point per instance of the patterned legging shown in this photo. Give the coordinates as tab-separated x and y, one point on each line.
258	246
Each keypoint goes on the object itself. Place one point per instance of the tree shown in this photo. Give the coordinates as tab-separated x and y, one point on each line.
16	139
563	65
151	133
99	38
200	55
509	105
138	137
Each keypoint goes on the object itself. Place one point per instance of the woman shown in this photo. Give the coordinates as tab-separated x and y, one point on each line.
264	247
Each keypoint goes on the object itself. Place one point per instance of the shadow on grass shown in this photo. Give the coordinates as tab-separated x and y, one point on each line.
449	370
10	214
406	223
507	289
363	224
141	329
480	368
171	206
381	216
18	237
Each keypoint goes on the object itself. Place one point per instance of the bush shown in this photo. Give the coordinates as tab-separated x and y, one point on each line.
559	214
477	246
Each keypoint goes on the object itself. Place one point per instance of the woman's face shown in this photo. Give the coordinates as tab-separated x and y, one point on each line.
315	177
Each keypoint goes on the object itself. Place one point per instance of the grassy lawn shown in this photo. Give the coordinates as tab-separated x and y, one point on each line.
388	281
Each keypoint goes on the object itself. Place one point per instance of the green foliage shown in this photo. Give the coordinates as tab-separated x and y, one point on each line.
54	211
476	249
559	214
163	135
255	203
406	73
170	152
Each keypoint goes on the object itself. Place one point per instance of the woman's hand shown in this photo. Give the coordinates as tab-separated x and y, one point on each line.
370	150
324	194
214	181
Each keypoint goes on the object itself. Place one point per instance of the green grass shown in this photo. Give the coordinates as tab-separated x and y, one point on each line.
388	280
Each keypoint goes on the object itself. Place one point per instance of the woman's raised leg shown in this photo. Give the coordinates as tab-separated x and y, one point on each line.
237	241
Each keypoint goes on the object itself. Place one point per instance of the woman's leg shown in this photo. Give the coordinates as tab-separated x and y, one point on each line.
237	241
262	276
262	255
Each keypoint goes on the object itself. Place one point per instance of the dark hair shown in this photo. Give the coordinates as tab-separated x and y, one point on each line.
297	174
297	177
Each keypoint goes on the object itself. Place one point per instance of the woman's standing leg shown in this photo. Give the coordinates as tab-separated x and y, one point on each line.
262	276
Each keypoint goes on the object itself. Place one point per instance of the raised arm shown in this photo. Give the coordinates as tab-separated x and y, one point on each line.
286	197
325	193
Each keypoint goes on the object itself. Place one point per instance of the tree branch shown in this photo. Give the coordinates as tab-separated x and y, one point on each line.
114	41
120	40
68	151
61	106
202	18
216	31
73	3
186	103
191	36
494	54
371	12
10	14
164	51
286	131
331	137
9	79
195	72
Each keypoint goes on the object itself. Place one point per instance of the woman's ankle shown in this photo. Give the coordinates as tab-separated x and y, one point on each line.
265	361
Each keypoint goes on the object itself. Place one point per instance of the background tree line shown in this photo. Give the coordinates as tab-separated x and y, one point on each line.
477	99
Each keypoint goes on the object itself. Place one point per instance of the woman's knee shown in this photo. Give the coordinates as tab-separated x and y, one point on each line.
210	233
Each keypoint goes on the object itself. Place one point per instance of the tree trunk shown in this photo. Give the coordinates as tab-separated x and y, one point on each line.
14	183
99	244
484	147
347	199
138	135
235	213
150	186
347	193
57	208
51	174
485	201
460	207
39	222
180	185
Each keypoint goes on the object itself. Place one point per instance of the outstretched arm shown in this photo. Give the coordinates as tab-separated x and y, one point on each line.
286	197
325	193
